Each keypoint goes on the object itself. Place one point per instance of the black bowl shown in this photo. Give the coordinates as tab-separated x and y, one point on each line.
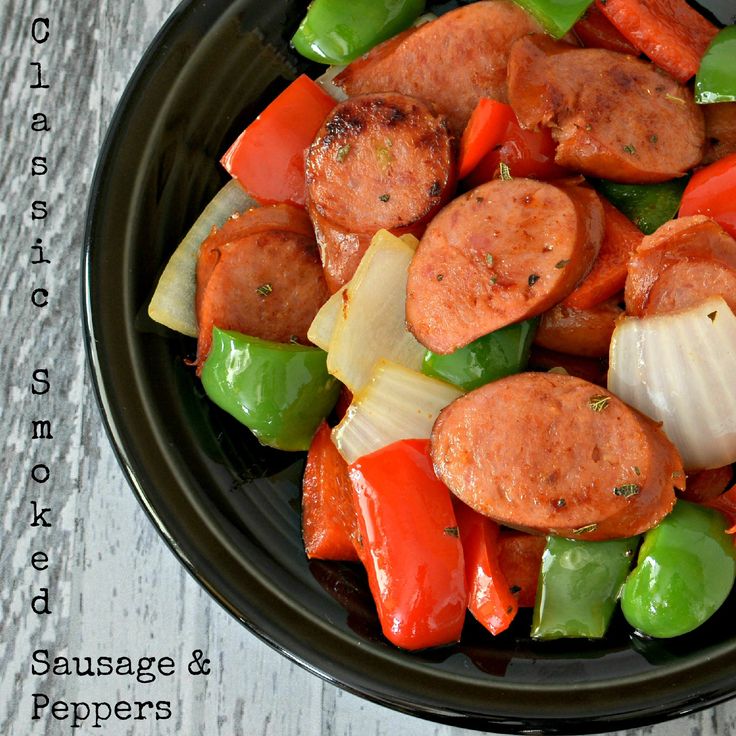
228	507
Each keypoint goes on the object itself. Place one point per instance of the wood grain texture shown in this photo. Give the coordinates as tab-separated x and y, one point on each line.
115	587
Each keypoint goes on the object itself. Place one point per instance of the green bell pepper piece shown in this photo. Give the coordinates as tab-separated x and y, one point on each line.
579	585
684	572
338	31
280	391
648	206
556	16
716	78
493	356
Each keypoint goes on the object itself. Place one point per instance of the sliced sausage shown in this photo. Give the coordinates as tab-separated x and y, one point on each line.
555	454
452	61
380	161
705	485
684	262
585	332
340	250
259	219
503	252
608	275
593	370
581	93
520	556
720	131
266	284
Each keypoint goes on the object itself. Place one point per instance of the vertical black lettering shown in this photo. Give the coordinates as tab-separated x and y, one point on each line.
40	30
40	210
40	473
38	84
40	123
39	518
38	247
38	166
40	376
40	602
41	429
39	560
39	297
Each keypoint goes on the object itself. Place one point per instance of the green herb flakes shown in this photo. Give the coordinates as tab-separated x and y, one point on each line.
533	278
599	402
452	531
504	171
385	197
264	289
587	529
627	489
562	263
342	152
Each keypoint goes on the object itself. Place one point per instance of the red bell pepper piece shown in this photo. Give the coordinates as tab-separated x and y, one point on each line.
268	156
608	275
528	153
712	191
726	504
595	31
490	599
410	545
329	522
706	485
520	555
485	130
670	32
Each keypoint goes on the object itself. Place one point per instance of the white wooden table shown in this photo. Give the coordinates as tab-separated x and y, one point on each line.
114	589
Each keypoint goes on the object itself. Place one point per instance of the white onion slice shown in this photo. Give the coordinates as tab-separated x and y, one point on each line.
323	324
172	303
396	404
680	369
370	321
325	81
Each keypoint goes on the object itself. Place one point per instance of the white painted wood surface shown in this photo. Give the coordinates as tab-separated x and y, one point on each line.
114	586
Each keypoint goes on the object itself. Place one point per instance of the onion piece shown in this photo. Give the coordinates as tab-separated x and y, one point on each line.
680	369
371	321
325	81
172	303
323	324
396	404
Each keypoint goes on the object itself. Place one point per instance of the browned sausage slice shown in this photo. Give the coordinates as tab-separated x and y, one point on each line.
340	250
380	161
452	61
585	332
555	454
684	262
503	252
613	115
720	130
281	217
267	284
